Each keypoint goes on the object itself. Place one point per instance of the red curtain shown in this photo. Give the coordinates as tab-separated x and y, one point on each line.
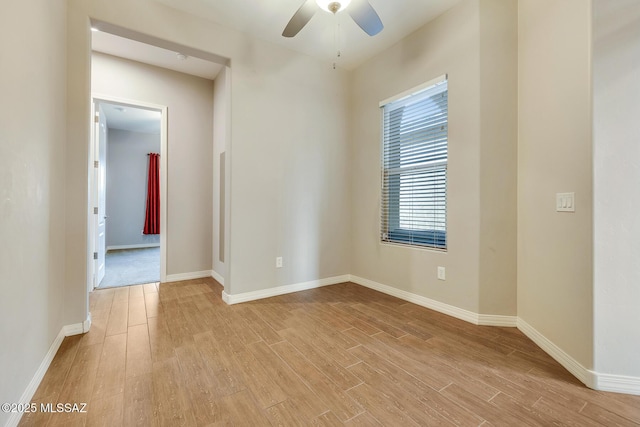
152	215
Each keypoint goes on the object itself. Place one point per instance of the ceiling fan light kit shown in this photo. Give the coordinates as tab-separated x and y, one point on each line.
333	6
360	11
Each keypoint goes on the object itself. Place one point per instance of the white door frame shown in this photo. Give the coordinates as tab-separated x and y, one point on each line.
99	199
95	97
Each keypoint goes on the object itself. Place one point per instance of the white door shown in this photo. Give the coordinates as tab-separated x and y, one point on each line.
101	181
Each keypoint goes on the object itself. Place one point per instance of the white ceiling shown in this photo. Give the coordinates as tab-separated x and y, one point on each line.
130	49
265	19
126	117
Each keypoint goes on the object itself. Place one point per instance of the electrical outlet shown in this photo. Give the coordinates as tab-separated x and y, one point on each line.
279	262
441	273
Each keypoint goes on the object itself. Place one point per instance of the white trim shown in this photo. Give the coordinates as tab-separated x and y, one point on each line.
586	376
414	90
26	397
161	43
164	124
228	145
75	329
164	200
592	379
86	325
217	277
188	276
281	290
450	310
91	189
139	246
617	383
497	320
225	298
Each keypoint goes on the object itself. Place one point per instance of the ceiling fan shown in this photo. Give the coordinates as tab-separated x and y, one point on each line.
360	10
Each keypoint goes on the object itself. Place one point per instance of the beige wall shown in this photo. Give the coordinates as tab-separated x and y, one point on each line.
32	193
555	278
498	156
474	43
616	80
189	101
289	169
221	134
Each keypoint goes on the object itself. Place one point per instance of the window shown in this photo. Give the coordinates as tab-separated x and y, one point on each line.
414	167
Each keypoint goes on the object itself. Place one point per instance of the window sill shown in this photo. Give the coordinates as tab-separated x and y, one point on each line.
410	246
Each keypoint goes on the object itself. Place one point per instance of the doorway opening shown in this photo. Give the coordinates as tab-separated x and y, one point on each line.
126	136
137	66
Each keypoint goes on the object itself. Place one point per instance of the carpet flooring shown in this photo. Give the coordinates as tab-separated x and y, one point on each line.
131	267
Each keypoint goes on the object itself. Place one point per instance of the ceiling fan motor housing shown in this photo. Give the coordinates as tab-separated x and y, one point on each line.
334	6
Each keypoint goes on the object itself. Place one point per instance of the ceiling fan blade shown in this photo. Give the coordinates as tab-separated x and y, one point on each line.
365	16
300	18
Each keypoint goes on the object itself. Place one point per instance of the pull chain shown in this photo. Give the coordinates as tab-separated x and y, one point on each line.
336	41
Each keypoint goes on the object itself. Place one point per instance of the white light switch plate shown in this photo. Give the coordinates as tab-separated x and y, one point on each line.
565	202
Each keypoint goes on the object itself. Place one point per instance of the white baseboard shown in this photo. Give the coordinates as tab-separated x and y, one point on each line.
218	277
75	329
139	246
617	383
27	396
592	379
281	290
457	312
86	325
188	276
586	376
497	320
225	298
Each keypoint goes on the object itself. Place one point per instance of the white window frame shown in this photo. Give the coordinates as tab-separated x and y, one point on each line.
400	222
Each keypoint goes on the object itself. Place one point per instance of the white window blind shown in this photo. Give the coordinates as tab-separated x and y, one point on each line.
414	168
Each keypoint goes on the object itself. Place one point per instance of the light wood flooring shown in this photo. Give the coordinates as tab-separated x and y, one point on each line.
175	354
